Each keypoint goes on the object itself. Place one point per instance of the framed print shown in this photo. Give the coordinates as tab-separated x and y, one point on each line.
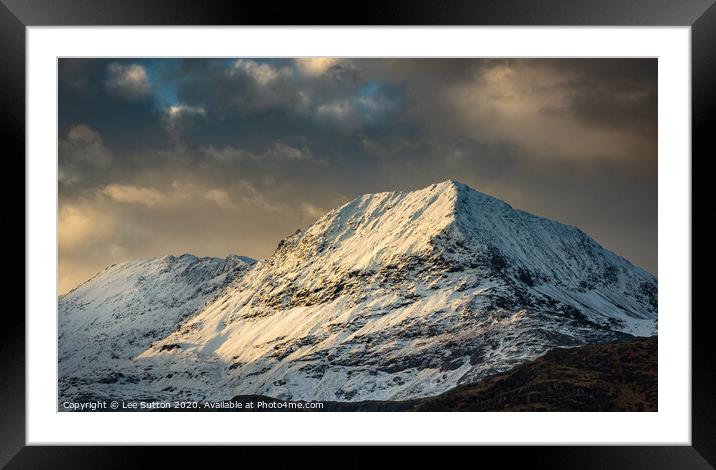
465	224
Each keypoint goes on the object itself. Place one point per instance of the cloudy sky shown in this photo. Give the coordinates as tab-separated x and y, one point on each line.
219	156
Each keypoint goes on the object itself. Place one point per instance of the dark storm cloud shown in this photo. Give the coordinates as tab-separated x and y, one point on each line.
231	155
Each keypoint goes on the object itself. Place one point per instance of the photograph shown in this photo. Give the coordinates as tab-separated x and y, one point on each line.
427	226
357	234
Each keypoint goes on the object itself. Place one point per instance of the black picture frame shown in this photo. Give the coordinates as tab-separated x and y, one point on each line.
700	15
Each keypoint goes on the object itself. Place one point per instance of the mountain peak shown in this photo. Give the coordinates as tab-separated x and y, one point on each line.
449	186
451	183
375	229
453	225
393	295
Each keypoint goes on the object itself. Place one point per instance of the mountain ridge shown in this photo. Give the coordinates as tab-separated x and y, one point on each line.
396	295
179	285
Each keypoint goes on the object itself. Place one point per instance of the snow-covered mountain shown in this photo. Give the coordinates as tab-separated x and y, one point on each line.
394	295
106	321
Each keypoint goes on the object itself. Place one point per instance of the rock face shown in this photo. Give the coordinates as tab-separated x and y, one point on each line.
392	296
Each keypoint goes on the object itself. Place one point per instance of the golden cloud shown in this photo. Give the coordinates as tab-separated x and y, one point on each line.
315	66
